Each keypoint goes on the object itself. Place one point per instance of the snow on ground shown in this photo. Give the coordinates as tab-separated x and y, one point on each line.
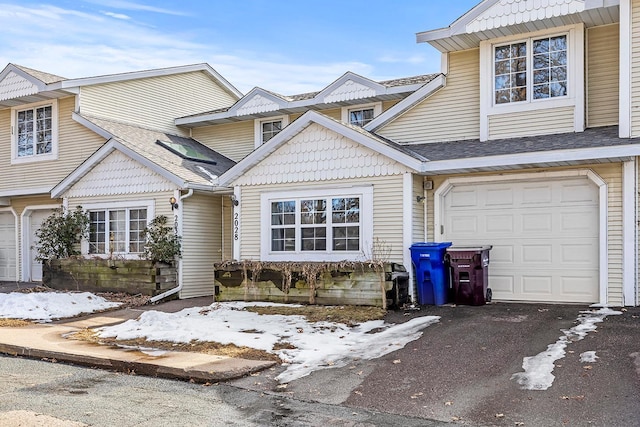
588	357
318	345
538	369
46	306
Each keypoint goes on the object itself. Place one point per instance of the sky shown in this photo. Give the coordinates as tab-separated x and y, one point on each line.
280	45
315	346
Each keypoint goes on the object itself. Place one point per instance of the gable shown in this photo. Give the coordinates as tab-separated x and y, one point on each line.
319	154
15	86
508	12
257	104
119	174
349	90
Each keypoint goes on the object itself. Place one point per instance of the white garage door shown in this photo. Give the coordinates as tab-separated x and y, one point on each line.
544	236
7	247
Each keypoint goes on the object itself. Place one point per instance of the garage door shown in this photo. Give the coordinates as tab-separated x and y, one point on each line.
544	236
7	247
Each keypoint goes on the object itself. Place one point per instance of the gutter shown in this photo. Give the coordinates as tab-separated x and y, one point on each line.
178	288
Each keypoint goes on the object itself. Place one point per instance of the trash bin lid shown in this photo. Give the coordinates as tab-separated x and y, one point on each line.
469	248
431	245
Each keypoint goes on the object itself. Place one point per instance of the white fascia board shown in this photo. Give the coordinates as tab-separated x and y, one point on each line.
458	26
113	78
251	94
300	124
410	101
597	4
532	158
377	87
209	188
91	126
25	192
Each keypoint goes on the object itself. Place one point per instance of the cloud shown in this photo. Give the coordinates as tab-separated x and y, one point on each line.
117	15
127	5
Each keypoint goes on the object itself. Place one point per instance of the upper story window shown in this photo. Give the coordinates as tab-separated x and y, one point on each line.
360	115
531	70
317	225
34	133
265	129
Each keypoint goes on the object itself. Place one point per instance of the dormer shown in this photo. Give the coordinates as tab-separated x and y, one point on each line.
531	61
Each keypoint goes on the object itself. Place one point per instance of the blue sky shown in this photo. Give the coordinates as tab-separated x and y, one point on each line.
284	46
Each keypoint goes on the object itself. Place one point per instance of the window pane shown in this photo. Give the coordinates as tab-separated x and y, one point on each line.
346	238
270	129
314	239
283	213
97	232
137	223
360	117
510	65
283	239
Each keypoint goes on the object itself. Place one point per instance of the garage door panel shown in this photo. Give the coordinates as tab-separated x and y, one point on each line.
545	236
537	284
540	194
502	286
463	198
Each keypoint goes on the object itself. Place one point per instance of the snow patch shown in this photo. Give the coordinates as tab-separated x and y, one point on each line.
588	357
538	369
314	346
46	306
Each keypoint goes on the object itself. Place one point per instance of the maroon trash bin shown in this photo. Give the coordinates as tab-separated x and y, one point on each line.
470	274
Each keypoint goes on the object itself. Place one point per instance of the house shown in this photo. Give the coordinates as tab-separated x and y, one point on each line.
108	144
524	141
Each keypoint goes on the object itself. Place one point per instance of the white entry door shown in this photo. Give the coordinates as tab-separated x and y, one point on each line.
545	236
35	221
7	246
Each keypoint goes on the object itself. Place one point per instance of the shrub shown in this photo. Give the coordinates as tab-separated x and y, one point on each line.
60	234
163	244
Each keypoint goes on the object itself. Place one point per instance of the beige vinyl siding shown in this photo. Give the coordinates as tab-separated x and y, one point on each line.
75	144
611	173
418	210
387	213
532	123
155	102
635	69
160	201
201	243
603	67
451	114
19	204
233	140
227	229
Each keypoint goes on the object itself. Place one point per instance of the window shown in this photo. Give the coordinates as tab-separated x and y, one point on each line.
531	70
117	230
325	224
317	226
34	133
361	115
266	129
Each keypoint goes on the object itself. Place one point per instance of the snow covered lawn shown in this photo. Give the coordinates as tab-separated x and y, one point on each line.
46	306
311	345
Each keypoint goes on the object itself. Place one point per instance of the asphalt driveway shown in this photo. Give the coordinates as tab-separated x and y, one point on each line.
461	369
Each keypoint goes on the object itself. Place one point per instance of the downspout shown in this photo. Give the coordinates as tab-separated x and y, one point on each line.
180	216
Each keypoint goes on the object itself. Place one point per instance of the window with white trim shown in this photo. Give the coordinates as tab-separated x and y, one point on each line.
318	225
119	230
266	129
532	69
34	132
361	115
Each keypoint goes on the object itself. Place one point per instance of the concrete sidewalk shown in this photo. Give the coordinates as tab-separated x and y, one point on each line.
49	342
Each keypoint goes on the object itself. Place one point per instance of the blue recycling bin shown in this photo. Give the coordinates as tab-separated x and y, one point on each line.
431	275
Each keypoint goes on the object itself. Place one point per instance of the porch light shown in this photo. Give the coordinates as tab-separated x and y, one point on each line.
173	202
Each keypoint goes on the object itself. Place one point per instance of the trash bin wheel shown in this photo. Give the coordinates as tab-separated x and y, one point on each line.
489	295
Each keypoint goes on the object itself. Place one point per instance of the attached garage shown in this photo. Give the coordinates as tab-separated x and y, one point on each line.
545	234
7	246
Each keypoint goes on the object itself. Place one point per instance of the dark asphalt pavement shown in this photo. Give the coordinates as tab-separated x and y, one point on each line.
460	370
